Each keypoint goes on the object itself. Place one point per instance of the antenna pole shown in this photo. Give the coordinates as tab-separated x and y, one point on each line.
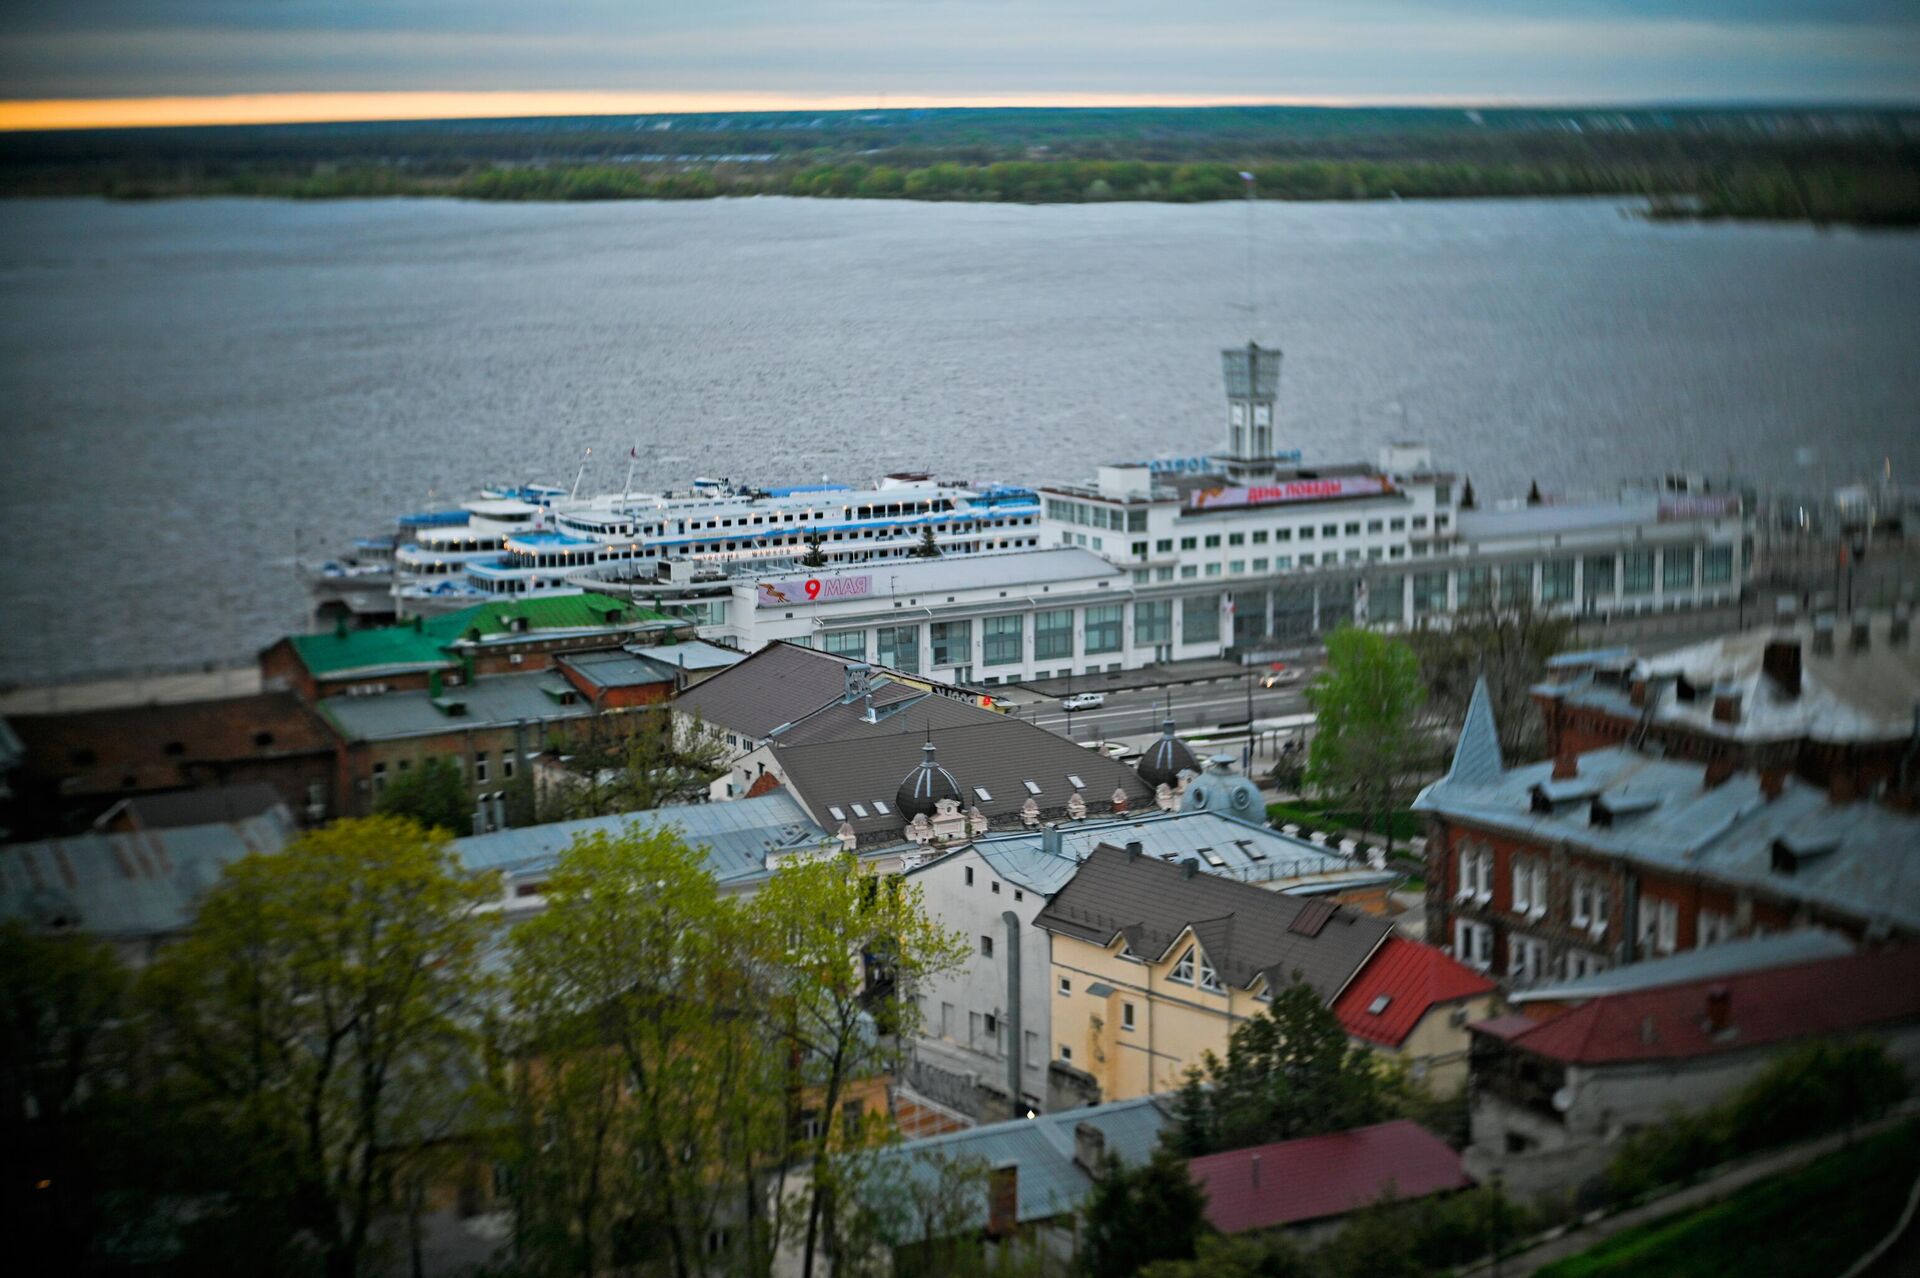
580	474
633	456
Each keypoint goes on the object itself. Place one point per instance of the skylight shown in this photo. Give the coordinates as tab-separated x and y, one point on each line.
837	813
981	790
1213	858
1379	1004
858	810
1031	787
1076	782
881	808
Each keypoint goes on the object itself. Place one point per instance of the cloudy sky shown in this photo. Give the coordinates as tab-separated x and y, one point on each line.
719	52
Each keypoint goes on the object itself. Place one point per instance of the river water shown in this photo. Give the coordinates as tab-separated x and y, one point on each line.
194	391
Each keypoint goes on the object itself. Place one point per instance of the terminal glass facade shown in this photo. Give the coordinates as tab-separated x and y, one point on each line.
1556	581
1676	569
900	647
1718	565
1636	577
1001	640
952	642
845	643
1053	634
1153	622
1596	577
1104	632
1200	619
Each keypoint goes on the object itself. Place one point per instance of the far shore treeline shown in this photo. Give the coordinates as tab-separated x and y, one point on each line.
1859	167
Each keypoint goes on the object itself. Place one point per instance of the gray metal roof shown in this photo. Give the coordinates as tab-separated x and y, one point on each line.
1534	521
1664	816
1246	932
493	701
1754	954
777	685
617	669
695	654
993	753
1016	570
129	886
840	720
736	836
1050	1183
1476	759
1223	846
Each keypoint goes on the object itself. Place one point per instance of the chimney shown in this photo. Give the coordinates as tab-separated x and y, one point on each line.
1090	1149
1726	704
1719	768
1189	867
1050	839
1134	849
1637	693
1566	766
1719	1009
1772	782
1003	1201
1823	635
1781	662
1862	636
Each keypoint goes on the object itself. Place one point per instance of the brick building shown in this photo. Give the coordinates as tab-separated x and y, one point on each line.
1557	870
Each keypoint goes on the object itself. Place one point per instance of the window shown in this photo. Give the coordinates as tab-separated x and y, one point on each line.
1718	565
1001	640
1659	925
1237	566
1236	539
1066	1053
1397	524
1475	877
1053	634
986	947
1596	577
1126	1016
952	642
1373	525
1473	944
969	876
1213	570
994	887
1637	574
1676	568
1103	628
479	767
1259	565
1580	964
1153	622
1213	541
1386	598
1188	543
508	760
1163	546
1283	534
1710	928
1331	530
1353	529
1183	970
379	777
1066	985
1516	584
900	647
1526	960
1306	534
1429	593
1259	536
1529	886
1200	619
845	643
1556	581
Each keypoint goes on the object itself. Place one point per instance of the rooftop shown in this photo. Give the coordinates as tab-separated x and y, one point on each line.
1014	569
1752	954
1318	1177
774	686
1050	1182
736	836
1246	933
1670	1022
495	701
425	644
694	654
615	668
1401	983
131	885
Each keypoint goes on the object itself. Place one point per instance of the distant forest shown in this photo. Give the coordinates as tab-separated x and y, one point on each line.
1836	165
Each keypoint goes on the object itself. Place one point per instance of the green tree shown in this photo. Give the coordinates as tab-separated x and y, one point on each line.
1509	644
60	998
816	556
634	763
1238	1256
323	1009
433	795
1289	1072
928	548
646	1093
1369	735
850	948
1136	1216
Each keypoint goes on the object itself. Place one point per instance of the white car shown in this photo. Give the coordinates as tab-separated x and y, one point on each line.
1083	701
1279	677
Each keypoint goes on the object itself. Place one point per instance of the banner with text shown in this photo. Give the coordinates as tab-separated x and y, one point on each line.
785	594
1698	506
1290	491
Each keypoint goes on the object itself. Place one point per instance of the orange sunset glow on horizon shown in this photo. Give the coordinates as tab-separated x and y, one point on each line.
316	108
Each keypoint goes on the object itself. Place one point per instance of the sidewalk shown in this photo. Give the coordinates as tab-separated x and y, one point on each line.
1583	1236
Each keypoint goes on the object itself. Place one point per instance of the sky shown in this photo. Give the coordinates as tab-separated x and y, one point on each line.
169	61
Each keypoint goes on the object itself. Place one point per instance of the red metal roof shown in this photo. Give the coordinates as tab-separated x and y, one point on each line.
1670	1022
1321	1176
1412	978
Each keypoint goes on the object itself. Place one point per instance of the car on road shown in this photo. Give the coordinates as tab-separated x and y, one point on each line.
1275	678
1083	701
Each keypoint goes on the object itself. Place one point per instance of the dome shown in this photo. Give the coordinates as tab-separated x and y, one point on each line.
925	786
1166	759
1220	789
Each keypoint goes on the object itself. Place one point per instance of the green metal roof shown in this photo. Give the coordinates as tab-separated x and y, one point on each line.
426	645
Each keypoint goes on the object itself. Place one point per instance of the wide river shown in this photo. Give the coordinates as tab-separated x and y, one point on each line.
196	391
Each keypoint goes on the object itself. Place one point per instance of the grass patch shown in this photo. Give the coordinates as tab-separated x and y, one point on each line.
1811	1223
1325	817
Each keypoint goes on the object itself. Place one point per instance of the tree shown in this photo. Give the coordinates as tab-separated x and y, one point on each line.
1238	1256
645	1090
928	548
1290	1072
1140	1215
634	763
816	556
60	998
850	948
1533	493
1368	739
1466	496
323	1011
1508	644
433	795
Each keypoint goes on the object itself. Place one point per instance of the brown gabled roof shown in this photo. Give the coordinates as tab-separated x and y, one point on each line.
1245	931
983	751
776	685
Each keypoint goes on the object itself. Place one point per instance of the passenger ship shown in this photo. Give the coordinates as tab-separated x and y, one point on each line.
531	541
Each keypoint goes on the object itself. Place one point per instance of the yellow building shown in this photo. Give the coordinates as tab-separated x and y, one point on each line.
1153	964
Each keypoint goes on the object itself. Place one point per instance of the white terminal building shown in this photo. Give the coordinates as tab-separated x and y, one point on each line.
1200	557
